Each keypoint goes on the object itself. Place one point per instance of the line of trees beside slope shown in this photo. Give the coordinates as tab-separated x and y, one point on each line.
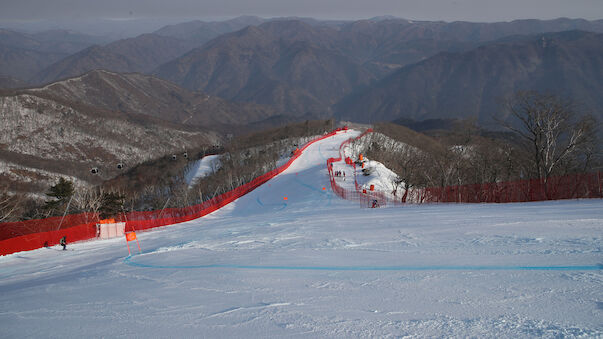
160	183
547	139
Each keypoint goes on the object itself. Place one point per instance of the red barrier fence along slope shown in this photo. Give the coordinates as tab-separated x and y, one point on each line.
365	199
33	234
574	186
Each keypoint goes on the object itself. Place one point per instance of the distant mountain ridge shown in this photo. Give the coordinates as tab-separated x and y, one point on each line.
140	54
10	82
475	84
296	66
288	65
263	64
146	95
201	32
22	55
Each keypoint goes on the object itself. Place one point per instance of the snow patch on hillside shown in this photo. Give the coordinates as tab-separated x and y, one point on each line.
374	173
16	172
202	168
382	178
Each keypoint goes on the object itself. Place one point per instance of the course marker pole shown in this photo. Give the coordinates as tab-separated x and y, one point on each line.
131	237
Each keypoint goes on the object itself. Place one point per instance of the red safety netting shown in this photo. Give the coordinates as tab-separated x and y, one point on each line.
365	198
32	234
574	186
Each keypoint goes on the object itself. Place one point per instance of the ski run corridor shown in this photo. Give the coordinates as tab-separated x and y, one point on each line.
291	260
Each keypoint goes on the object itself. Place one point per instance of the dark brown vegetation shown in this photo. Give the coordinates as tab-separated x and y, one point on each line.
460	157
549	139
553	137
12	206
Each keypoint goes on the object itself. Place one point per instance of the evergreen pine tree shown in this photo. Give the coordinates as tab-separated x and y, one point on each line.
59	194
112	205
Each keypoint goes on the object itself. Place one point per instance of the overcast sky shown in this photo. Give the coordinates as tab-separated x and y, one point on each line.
447	10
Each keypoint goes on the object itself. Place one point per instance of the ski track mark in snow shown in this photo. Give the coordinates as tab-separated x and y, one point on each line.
255	307
128	260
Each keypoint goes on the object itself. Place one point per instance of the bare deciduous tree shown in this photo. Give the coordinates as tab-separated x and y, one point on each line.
9	205
88	199
550	130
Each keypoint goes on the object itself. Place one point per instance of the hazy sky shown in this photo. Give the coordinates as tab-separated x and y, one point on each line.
447	10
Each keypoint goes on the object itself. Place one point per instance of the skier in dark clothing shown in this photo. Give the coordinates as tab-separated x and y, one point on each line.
63	242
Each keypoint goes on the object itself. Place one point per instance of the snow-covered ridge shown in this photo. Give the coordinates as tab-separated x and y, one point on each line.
47	130
24	174
68	81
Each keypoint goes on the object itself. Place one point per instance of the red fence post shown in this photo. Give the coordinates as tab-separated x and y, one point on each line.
599	184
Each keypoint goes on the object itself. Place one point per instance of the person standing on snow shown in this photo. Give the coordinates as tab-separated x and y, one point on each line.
63	242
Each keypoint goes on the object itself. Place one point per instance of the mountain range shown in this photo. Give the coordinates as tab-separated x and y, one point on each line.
477	83
150	96
301	68
289	65
369	49
22	55
139	54
84	101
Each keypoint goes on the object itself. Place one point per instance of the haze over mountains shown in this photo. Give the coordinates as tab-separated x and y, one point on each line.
476	83
301	68
140	54
22	55
368	70
290	65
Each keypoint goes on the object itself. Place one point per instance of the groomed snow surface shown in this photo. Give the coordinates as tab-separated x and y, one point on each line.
316	266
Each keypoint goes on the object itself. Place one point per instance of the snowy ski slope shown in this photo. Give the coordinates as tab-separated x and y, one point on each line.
315	266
